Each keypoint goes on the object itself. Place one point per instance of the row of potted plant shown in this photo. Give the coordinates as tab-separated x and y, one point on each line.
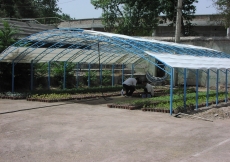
95	95
161	104
130	107
81	90
50	97
13	95
164	110
79	93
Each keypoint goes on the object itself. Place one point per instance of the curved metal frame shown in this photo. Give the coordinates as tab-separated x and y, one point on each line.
128	51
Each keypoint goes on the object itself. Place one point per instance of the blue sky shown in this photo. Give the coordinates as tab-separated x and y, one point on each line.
82	9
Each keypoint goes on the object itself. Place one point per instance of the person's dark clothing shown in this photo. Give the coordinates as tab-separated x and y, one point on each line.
129	89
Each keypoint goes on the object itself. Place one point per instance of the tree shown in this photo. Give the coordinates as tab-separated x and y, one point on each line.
29	8
7	8
168	8
7	34
223	6
137	17
47	8
7	38
140	17
25	9
64	17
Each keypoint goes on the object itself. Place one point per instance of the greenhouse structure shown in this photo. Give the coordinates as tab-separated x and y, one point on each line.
92	47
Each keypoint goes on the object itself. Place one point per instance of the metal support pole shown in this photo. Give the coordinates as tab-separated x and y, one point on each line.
31	75
64	76
77	78
185	88
13	77
122	77
113	75
226	86
228	32
197	82
101	75
1	83
207	97
89	76
217	86
171	91
49	75
132	71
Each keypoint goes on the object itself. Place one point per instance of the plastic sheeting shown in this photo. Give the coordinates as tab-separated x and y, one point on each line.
76	55
86	46
191	62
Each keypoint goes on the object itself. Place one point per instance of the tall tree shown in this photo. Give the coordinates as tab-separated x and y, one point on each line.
48	8
137	17
223	6
26	9
168	8
7	8
140	17
29	8
7	34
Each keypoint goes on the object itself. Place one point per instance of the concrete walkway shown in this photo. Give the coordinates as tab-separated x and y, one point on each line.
88	131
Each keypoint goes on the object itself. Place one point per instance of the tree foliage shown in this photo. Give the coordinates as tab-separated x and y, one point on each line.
7	34
29	8
223	6
140	17
169	9
47	8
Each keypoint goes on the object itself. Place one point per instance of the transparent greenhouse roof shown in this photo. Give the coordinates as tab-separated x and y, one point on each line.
86	46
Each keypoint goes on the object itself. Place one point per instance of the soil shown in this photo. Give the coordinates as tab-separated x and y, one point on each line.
213	112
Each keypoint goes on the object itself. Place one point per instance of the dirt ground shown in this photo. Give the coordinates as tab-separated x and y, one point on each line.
88	131
213	112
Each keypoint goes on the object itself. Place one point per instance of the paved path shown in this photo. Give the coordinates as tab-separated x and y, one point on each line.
88	131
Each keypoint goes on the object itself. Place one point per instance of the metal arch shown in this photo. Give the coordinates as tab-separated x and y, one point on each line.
120	50
142	56
163	47
96	51
146	46
191	52
51	48
134	58
31	48
76	55
180	50
96	38
160	47
125	55
151	47
27	51
88	55
18	44
65	51
113	54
